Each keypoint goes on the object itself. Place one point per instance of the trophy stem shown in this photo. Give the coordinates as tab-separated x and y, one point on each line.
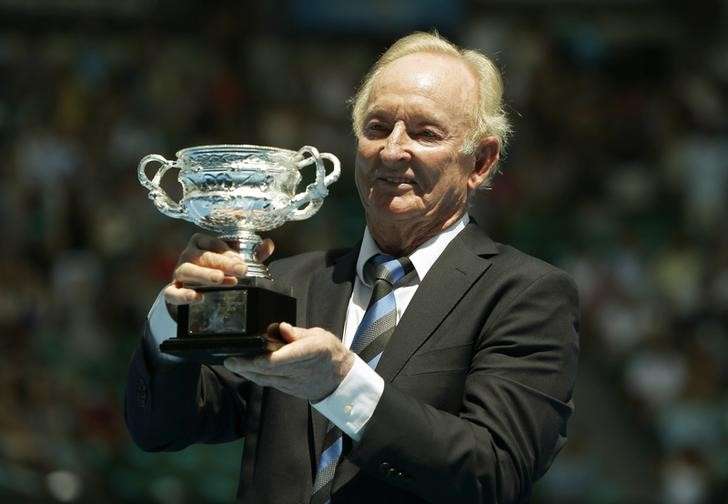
245	244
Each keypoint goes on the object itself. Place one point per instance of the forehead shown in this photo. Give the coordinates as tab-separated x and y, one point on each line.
439	85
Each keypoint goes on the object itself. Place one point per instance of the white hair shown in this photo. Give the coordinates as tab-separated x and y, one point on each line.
490	118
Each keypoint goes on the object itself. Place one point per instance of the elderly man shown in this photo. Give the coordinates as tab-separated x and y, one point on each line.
429	363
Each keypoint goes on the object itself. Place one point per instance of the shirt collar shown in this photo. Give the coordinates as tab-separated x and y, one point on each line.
422	258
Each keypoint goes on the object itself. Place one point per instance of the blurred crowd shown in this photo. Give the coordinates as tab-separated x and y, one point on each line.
617	172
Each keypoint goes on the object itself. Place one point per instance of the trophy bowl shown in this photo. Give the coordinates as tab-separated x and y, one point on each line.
237	190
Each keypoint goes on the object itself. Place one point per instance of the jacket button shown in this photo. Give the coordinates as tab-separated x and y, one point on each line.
392	472
384	468
142	395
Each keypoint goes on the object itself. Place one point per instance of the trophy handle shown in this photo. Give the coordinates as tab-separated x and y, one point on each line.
315	192
161	200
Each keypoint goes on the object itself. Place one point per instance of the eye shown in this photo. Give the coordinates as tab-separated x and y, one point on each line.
376	129
427	135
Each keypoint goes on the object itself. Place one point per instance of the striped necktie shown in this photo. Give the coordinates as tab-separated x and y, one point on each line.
369	342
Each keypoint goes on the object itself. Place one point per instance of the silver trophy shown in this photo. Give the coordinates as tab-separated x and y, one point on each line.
236	191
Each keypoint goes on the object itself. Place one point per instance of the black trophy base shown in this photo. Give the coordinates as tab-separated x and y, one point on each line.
230	322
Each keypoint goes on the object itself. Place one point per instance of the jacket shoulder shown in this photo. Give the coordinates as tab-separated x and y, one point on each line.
522	265
507	262
514	273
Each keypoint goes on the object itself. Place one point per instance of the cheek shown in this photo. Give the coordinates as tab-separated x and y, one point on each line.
450	181
361	178
362	163
366	149
439	175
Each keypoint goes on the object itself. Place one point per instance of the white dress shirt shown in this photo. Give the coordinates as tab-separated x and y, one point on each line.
352	404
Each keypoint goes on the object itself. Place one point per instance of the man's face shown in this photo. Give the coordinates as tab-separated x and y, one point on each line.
409	164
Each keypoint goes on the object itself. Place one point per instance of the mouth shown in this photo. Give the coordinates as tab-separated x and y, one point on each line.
397	179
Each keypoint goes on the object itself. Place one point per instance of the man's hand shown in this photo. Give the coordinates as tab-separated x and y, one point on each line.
207	261
311	364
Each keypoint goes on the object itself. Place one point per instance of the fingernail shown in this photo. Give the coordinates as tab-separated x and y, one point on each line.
240	269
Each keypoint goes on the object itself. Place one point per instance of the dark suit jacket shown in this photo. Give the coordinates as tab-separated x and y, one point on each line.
478	384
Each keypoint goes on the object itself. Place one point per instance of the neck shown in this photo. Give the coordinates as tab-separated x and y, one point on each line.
402	238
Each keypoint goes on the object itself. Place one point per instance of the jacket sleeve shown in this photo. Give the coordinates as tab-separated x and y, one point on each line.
515	406
170	403
169	406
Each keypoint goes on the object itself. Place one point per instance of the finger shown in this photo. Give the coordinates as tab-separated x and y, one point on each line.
232	254
286	384
230	264
194	274
230	280
290	333
291	354
176	295
264	250
249	365
203	241
302	345
236	365
273	332
272	345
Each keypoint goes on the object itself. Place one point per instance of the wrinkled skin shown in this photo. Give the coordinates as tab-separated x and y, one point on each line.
412	175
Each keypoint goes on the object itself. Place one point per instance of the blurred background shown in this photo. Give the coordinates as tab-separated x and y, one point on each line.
617	172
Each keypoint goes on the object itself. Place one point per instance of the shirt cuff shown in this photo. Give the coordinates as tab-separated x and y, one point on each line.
352	404
161	327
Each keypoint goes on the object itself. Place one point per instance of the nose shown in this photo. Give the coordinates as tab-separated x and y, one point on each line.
395	146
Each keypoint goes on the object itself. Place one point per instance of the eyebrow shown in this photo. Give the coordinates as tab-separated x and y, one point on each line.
419	118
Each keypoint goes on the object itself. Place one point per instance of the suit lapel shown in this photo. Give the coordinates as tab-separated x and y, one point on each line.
452	275
461	264
328	298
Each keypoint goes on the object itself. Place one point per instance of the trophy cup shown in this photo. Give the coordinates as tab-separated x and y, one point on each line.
236	191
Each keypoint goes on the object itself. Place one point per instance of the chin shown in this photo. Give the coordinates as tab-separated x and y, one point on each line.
393	211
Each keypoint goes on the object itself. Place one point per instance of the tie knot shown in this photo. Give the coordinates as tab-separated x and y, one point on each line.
388	268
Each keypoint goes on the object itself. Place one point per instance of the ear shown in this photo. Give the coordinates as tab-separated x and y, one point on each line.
487	154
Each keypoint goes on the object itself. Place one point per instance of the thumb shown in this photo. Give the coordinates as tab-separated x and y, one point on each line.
288	332
264	249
